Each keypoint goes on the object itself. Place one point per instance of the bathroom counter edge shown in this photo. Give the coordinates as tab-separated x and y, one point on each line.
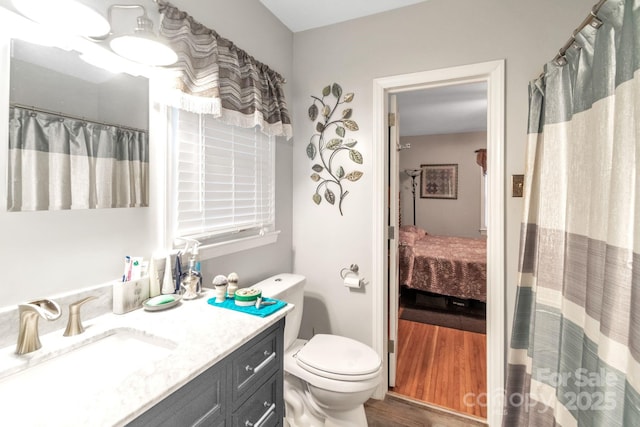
203	335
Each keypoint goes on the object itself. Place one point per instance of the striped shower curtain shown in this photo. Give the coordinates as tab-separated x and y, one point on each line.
56	162
575	347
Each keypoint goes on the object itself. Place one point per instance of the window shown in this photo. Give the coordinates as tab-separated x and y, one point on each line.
223	180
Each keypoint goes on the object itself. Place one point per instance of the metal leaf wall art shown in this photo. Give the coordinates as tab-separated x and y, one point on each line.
330	144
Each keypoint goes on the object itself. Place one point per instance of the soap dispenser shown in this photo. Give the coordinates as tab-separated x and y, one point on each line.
191	280
196	266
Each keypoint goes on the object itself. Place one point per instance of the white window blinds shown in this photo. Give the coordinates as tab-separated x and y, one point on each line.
224	179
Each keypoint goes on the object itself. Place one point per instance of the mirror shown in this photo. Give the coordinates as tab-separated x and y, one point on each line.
93	121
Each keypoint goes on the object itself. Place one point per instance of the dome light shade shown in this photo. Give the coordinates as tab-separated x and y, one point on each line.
68	16
144	49
142	46
80	18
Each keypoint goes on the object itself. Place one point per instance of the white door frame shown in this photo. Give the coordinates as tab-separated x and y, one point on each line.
393	148
493	73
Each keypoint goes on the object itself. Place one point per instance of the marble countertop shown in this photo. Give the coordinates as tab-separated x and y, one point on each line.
198	335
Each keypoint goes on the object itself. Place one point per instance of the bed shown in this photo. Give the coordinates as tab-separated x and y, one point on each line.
444	265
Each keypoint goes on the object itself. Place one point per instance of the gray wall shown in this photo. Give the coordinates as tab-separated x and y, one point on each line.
81	90
45	253
48	252
444	217
426	36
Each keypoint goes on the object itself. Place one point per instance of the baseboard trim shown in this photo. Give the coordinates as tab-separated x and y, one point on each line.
437	408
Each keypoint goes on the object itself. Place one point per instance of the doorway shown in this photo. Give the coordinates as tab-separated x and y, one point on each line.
440	347
386	295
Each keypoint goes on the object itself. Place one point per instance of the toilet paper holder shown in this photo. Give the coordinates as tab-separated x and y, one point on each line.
350	277
352	269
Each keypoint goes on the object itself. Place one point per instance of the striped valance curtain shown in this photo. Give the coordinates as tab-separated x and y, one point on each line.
218	78
575	348
56	162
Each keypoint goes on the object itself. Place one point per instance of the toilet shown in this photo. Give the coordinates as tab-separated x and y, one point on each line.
327	378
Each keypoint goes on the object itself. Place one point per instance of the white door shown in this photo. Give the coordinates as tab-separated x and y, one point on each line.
393	224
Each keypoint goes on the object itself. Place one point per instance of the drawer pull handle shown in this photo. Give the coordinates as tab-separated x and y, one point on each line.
262	365
263	418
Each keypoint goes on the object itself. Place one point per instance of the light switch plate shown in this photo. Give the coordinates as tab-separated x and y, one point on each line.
517	185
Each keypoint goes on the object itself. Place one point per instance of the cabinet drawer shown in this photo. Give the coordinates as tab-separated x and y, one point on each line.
261	409
199	403
245	389
255	363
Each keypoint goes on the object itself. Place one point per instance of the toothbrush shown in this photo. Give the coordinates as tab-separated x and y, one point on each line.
178	272
127	269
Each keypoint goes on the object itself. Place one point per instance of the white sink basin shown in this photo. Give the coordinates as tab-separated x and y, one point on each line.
89	367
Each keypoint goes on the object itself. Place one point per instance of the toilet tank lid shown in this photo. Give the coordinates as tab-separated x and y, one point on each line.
339	355
275	285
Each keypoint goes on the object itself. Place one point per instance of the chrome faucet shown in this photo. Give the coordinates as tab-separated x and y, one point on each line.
28	338
74	325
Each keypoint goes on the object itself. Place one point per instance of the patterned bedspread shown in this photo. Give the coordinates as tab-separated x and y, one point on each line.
453	266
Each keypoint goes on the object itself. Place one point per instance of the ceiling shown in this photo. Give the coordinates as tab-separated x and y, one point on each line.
300	15
443	110
451	109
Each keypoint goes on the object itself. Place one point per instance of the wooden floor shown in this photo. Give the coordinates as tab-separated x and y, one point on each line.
442	366
395	411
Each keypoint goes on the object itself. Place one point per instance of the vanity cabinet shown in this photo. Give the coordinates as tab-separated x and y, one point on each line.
245	389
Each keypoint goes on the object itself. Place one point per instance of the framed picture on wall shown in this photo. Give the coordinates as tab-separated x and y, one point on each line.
439	181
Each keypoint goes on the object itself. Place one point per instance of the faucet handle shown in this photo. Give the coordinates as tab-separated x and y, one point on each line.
74	325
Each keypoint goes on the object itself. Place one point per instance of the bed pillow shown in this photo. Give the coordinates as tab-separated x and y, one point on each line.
407	238
414	229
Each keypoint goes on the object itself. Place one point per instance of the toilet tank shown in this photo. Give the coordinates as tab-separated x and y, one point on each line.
290	288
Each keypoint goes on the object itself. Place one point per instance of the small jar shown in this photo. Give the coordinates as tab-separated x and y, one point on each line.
232	285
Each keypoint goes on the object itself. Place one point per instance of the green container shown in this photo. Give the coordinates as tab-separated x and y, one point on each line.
247	294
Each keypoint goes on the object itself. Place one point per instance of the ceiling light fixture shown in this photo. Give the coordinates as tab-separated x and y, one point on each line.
67	16
142	45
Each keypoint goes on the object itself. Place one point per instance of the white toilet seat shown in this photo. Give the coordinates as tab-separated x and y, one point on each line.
292	367
338	377
339	358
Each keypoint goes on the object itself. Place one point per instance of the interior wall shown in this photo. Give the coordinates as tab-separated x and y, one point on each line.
46	253
443	217
122	100
427	36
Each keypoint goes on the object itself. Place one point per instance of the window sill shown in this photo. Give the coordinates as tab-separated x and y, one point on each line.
232	246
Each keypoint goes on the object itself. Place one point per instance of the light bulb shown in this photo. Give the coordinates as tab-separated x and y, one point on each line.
143	49
66	16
